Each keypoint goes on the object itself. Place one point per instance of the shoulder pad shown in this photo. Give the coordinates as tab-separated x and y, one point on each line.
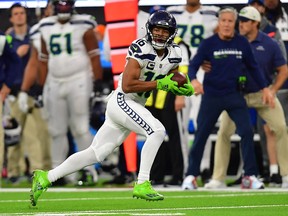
47	21
141	49
176	10
209	10
34	30
177	50
83	19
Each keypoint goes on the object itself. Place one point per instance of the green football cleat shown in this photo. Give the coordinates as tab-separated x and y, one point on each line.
146	191
39	185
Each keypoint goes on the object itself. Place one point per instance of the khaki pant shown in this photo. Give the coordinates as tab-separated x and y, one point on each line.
276	121
34	140
1	143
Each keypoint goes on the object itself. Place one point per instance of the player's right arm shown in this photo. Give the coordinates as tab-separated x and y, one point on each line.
131	82
43	58
29	79
31	71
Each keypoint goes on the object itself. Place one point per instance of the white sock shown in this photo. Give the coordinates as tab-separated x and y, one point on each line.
273	169
73	163
148	154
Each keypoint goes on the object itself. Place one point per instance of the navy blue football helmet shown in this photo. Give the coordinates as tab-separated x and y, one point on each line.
63	8
161	19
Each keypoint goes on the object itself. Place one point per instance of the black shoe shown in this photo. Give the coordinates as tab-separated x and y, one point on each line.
236	182
205	176
157	182
275	180
174	182
14	180
85	178
121	179
60	182
116	180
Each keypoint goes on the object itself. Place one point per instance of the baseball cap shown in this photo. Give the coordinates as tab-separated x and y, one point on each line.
249	13
258	1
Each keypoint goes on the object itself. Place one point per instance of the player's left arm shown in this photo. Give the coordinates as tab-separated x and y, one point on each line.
91	44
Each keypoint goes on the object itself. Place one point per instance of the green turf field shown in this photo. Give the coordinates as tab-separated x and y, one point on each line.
119	201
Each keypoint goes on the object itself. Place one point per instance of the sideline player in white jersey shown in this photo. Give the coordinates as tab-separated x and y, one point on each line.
69	60
25	102
148	62
195	22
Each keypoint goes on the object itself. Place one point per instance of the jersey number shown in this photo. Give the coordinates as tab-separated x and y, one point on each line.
149	77
55	43
196	32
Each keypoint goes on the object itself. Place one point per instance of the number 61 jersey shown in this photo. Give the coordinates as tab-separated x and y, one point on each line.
152	66
65	45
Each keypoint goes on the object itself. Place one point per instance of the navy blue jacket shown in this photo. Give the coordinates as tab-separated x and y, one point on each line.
24	60
228	60
9	62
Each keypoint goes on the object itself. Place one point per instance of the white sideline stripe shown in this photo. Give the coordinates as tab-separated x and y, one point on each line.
195	196
130	211
165	189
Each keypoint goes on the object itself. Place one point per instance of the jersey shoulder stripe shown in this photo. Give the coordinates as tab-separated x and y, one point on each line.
46	24
213	13
176	10
83	19
81	22
34	30
209	10
48	21
150	57
141	50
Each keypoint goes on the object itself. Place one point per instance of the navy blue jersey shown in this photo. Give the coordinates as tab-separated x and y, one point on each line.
228	59
269	56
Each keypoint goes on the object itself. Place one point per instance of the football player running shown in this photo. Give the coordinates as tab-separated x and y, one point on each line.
69	61
148	61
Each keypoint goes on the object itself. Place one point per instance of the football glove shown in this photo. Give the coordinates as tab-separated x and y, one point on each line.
23	101
166	84
175	90
188	89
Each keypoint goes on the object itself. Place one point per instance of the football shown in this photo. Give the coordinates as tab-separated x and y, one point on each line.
180	78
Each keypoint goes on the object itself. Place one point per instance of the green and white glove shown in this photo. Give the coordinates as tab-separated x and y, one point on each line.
187	90
166	84
175	90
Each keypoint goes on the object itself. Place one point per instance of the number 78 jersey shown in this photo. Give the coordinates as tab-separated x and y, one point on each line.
196	26
65	45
